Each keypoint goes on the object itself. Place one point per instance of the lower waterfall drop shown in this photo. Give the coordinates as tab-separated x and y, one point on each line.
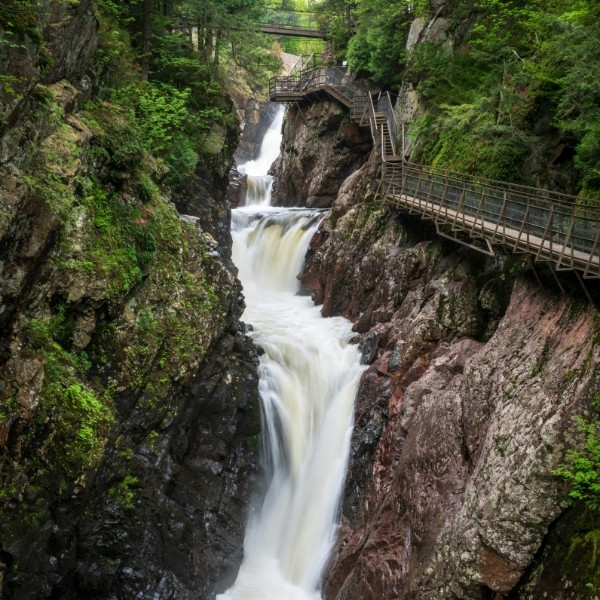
309	375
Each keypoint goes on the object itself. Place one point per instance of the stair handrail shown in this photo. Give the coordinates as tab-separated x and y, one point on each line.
372	118
294	66
392	121
303	62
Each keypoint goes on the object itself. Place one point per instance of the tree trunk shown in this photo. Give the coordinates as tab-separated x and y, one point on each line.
208	42
217	46
146	40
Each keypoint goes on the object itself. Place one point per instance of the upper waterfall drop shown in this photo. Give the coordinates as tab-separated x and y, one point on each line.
269	148
259	182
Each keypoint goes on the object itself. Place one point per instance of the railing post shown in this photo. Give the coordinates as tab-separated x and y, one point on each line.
403	144
501	218
564	247
549	228
593	254
460	208
525	217
479	210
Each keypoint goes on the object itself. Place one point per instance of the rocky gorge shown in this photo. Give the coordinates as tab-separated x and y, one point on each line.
128	388
463	415
477	373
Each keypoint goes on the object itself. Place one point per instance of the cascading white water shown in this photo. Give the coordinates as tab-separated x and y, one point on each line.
259	183
309	375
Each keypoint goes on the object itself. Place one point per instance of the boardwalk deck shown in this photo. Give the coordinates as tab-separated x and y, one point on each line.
292	31
560	229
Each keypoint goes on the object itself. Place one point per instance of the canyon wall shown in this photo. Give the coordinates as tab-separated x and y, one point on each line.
463	415
128	399
476	373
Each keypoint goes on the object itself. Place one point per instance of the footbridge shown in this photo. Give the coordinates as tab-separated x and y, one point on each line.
294	23
487	215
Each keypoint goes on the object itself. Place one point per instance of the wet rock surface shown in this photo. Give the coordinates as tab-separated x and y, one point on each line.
463	415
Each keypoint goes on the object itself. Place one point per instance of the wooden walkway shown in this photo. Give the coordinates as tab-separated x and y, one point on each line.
562	230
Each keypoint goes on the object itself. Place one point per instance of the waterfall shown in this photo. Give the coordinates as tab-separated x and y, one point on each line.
259	183
309	375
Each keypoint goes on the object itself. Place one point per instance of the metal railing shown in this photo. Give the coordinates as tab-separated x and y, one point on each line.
386	106
308	78
553	227
306	63
560	229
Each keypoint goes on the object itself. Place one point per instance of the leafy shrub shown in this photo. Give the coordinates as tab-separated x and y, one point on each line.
582	470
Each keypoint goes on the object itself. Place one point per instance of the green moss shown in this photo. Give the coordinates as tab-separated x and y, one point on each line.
21	16
124	492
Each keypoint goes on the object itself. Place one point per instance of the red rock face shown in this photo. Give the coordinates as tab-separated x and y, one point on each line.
320	149
465	411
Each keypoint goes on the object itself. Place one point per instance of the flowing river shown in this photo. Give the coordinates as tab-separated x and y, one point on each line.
309	375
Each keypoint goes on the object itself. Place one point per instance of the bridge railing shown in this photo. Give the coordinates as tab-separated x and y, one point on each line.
308	76
305	63
554	227
291	19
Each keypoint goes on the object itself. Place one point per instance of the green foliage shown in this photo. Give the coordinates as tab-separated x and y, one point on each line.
20	16
578	106
505	28
334	20
227	34
582	470
161	112
80	419
91	418
467	139
516	70
123	240
172	114
510	76
377	48
120	139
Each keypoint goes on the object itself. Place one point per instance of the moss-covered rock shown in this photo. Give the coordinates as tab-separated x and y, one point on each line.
128	400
